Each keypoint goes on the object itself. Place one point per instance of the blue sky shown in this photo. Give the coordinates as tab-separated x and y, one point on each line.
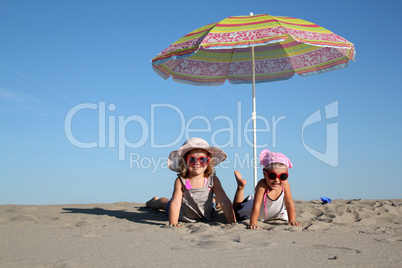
77	74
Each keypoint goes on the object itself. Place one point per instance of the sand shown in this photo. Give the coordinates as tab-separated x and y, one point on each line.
345	233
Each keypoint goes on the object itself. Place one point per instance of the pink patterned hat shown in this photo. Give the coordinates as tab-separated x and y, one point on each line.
267	157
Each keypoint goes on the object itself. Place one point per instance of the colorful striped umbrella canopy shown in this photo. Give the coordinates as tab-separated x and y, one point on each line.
253	49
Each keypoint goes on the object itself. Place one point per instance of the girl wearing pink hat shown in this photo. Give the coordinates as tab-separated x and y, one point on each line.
195	186
272	198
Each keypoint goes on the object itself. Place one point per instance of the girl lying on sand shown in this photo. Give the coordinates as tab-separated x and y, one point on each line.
195	186
272	198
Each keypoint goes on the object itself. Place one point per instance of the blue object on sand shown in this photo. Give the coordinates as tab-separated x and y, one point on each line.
325	199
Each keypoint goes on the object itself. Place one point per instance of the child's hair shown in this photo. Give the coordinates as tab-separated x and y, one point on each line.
271	166
183	171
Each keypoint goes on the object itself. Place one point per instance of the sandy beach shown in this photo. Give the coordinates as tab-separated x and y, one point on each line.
344	233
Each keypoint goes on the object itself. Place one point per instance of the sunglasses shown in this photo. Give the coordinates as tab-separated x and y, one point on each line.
272	176
192	160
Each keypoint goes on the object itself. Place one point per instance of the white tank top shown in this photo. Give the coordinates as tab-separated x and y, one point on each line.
270	209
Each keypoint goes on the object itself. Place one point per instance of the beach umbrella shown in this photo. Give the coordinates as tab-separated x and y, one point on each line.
253	49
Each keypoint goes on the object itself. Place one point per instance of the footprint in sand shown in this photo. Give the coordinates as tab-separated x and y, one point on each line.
343	249
210	241
215	244
221	242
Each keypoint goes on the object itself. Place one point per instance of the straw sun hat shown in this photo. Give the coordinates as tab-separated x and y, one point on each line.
175	157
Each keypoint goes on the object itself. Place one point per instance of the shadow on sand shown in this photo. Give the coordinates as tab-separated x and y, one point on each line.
144	215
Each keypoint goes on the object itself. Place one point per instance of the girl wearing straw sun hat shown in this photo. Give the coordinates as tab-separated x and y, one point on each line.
196	184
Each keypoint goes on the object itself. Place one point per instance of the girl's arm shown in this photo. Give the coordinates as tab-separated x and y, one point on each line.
223	200
258	197
175	204
290	206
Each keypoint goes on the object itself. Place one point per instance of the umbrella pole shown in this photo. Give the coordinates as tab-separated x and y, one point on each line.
254	117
